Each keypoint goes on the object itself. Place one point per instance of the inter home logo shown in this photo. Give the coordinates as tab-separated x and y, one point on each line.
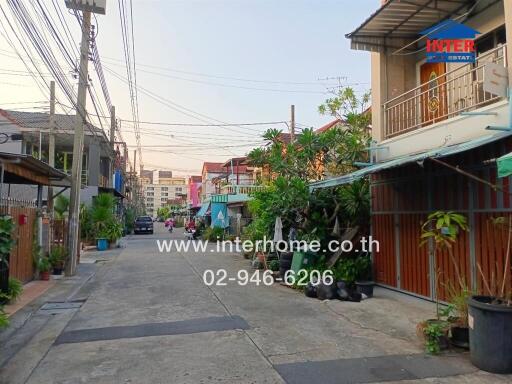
450	42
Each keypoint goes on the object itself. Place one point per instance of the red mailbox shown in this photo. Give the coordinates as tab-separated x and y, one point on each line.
22	219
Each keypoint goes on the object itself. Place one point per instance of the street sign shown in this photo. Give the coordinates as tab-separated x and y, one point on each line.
94	6
495	79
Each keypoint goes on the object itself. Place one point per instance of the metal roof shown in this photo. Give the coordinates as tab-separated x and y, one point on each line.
36	167
398	22
418	157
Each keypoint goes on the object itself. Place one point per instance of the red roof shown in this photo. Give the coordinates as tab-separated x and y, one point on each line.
196	179
213	167
328	126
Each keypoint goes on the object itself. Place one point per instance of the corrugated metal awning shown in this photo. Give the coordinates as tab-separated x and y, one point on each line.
398	22
418	157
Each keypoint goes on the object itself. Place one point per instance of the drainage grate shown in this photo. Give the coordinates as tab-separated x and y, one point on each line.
56	307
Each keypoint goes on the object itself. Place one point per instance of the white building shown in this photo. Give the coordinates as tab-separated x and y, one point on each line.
161	195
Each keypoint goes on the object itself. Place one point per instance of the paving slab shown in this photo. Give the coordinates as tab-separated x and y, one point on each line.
373	369
207	324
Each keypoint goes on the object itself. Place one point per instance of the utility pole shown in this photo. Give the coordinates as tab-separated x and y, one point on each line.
78	147
112	125
112	140
292	124
51	159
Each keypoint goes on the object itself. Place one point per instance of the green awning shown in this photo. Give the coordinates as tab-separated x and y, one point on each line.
417	157
203	210
504	165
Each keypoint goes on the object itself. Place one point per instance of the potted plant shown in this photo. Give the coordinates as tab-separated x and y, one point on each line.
57	257
113	231
101	215
273	265
44	266
364	282
456	314
490	317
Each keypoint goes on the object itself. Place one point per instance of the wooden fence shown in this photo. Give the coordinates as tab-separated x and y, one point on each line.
21	264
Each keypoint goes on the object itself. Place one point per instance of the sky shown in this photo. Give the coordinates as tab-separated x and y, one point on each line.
210	61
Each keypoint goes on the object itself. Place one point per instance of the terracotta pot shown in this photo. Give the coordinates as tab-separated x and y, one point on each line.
44	275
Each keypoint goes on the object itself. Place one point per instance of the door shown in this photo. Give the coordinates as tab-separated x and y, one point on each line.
434	103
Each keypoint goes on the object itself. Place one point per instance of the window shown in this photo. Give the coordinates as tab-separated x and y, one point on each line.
150	188
490	40
150	194
178	189
149	199
165	188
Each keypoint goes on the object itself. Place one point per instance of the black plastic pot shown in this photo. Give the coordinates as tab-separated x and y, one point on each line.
57	271
490	335
460	337
365	287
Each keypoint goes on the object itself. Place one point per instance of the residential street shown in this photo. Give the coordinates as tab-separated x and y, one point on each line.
181	331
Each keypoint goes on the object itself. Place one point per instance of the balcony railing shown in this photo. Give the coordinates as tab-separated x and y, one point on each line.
443	97
232	189
85	175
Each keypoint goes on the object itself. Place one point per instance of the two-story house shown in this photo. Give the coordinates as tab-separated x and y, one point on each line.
437	132
29	134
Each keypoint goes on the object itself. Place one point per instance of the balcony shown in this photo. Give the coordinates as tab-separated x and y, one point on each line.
85	175
443	97
234	189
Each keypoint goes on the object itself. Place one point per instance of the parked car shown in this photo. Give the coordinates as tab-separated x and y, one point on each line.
143	224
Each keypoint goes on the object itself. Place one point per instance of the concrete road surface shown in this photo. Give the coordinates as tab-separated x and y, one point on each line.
148	317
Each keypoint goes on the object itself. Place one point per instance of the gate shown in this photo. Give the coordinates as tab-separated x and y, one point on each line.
21	265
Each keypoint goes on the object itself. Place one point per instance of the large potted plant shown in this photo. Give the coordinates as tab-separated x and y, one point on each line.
112	231
490	317
57	257
101	215
43	266
441	229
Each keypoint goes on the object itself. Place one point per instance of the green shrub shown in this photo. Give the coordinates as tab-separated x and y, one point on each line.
15	289
352	269
6	240
213	234
274	265
112	230
43	264
4	320
57	256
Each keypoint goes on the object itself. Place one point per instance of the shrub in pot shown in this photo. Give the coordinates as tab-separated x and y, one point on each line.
44	266
57	258
112	231
456	314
